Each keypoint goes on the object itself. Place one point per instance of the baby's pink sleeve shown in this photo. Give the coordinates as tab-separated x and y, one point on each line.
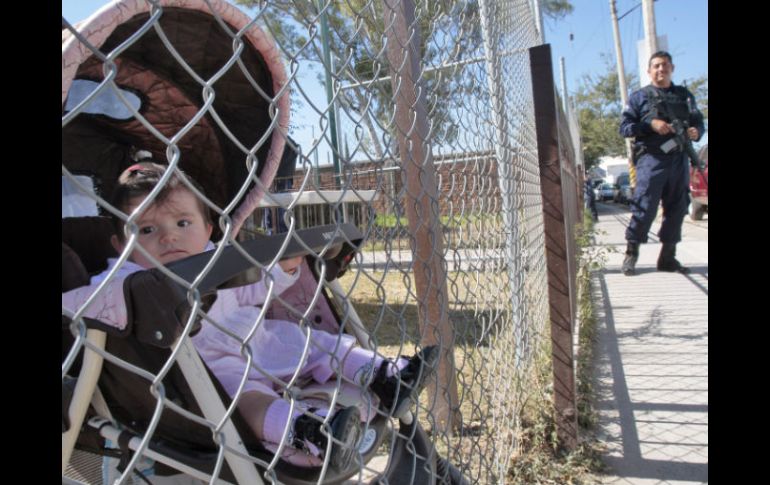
256	293
109	306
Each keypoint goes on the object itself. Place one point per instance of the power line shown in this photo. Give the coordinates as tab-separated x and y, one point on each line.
631	10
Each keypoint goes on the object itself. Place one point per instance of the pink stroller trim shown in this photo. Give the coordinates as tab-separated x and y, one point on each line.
98	27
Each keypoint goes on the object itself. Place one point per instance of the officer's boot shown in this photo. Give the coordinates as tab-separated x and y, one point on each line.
667	261
632	254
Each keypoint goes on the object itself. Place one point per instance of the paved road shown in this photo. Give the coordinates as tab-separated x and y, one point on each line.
652	360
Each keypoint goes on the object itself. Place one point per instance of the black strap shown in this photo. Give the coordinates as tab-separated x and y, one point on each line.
125	452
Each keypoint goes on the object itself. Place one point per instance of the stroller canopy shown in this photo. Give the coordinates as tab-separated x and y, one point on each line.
174	61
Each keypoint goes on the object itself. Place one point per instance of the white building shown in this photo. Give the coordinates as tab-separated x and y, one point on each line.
612	167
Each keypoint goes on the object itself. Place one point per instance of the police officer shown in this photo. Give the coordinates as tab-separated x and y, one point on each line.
662	169
590	199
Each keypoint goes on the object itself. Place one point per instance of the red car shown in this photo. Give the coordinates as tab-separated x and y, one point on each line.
699	188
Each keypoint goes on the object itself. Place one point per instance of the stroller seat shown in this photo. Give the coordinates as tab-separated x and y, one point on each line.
129	398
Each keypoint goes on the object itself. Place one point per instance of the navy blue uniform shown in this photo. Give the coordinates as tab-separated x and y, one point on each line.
660	176
590	199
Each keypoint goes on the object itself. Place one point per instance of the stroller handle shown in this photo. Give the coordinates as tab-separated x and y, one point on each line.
232	262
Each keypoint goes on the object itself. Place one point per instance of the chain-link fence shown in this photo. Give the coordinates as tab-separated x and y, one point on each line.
426	114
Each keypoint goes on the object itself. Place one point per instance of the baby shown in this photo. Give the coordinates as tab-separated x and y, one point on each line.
177	224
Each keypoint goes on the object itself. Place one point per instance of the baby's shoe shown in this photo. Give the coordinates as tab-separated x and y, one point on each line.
345	431
395	398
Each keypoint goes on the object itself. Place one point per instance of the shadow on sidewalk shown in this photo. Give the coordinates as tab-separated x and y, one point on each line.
694	270
660	373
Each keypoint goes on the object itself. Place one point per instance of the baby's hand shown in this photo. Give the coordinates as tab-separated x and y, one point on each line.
290	265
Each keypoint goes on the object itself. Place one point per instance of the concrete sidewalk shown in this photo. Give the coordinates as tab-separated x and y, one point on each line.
652	359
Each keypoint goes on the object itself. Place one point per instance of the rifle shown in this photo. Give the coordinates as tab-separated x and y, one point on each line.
685	144
681	140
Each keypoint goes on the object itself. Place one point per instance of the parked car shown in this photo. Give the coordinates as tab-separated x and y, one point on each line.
627	193
623	195
605	192
621	182
699	188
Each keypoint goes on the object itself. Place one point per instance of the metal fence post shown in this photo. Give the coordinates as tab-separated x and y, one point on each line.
556	217
328	74
421	203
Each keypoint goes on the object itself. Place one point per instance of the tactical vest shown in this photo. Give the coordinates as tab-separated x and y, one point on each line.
668	105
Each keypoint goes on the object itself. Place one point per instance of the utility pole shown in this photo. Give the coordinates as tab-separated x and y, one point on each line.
619	54
539	19
623	86
648	13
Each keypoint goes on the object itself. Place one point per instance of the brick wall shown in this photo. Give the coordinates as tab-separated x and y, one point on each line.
469	182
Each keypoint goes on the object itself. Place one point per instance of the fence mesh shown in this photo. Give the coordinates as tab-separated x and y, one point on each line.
469	273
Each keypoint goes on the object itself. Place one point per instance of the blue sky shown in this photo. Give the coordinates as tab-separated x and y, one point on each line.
684	22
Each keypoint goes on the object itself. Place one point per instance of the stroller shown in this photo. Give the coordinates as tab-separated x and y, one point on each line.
144	388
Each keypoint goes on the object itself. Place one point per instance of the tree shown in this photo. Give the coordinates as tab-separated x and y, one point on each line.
699	87
599	111
556	9
449	31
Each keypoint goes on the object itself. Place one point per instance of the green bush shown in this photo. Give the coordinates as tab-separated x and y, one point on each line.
541	458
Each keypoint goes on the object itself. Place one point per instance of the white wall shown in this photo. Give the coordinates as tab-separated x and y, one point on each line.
613	166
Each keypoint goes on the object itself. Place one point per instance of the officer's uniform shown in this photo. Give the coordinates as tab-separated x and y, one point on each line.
662	169
590	199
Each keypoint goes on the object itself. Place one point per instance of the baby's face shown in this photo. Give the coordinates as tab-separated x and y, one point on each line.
172	230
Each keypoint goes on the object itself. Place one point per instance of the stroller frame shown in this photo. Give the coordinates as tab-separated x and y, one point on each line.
195	372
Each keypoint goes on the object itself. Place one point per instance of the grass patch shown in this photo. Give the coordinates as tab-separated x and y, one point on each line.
459	231
500	405
386	303
592	258
540	458
390	220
